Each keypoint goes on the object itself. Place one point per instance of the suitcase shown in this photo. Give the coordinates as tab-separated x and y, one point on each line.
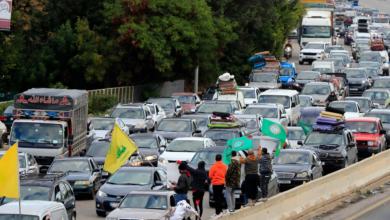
261	65
328	121
335	110
256	58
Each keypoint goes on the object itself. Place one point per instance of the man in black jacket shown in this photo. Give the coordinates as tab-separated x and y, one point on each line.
199	177
332	97
183	184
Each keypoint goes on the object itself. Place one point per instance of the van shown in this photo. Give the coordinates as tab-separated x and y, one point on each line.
323	67
238	96
35	210
288	98
385	60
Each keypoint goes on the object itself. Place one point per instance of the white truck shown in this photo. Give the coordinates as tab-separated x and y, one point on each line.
316	26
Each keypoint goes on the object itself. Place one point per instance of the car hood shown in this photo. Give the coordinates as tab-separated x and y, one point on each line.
174	156
285	78
266	85
147	152
138	213
132	122
351	115
122	190
312	50
290	168
173	134
320	98
365	137
101	133
303	81
356	80
188	106
77	177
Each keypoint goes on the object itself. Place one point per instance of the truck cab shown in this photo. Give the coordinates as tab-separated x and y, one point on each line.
287	74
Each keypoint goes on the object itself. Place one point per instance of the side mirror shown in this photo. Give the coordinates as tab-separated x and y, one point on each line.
178	107
352	144
237	112
148	117
136	153
299	143
283	115
43	169
313	165
197	102
193	110
162	148
198	131
158	183
96	170
102	181
106	116
160	113
382	132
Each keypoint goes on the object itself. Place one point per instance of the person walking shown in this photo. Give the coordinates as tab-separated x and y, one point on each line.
182	186
251	175
217	175
265	173
233	176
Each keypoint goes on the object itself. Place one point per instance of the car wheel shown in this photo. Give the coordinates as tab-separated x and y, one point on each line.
101	214
346	163
300	62
73	216
93	193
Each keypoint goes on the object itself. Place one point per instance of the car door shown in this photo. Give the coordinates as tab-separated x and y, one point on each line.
163	176
149	118
351	151
71	197
273	184
314	166
382	137
66	199
96	176
319	165
156	177
360	111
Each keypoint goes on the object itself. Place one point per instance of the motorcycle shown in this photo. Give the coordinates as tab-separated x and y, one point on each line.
288	51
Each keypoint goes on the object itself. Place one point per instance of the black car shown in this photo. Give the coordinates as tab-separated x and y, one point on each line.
305	77
295	166
220	136
150	146
47	187
365	103
171	106
336	148
384	115
84	174
125	180
171	128
358	81
202	121
7	118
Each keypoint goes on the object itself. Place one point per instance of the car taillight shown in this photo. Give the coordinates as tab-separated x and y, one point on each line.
350	19
3	118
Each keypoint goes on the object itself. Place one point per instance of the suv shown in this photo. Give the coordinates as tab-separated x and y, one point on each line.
273	112
264	81
336	148
232	107
312	51
171	106
358	81
319	90
171	128
369	133
251	94
189	101
136	116
378	96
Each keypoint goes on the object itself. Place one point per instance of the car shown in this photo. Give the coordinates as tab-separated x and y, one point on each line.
189	101
345	57
365	103
373	56
307	101
337	148
3	134
351	108
209	93
202	121
171	106
381	21
338	64
157	111
273	112
358	81
268	142
385	62
264	81
309	114
251	94
221	136
371	64
369	134
171	128
126	180
253	123
359	52
7	117
143	204
382	83
27	163
103	126
46	187
136	116
358	47
343	88
373	74
348	37
209	107
295	134
293	33
312	51
319	91
296	166
150	146
379	96
34	210
384	116
339	28
323	66
287	74
84	174
305	77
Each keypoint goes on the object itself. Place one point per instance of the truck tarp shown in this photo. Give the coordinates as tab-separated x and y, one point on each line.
51	99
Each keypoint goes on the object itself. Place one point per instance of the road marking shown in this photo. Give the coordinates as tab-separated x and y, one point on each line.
368	209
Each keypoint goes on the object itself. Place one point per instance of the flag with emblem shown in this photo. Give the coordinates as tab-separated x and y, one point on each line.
121	148
307	128
9	173
237	144
274	130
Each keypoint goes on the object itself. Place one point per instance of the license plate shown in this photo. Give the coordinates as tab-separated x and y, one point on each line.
105	173
114	204
285	181
237	196
353	89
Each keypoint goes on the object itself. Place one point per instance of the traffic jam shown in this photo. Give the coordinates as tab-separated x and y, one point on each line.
311	123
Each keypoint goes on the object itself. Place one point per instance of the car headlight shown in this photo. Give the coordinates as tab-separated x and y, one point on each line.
335	155
302	175
82	183
363	81
371	143
162	160
347	65
101	194
151	157
139	125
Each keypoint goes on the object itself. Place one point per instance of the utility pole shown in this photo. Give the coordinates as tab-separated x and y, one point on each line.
196	79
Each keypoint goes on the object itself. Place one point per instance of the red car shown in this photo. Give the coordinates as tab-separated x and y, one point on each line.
369	134
189	101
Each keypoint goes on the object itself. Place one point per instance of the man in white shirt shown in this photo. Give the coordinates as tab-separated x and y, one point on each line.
179	212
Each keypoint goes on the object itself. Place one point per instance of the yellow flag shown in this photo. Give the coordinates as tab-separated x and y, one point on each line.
9	173
121	148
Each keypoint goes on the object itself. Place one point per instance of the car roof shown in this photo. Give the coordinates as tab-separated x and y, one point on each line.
130	105
354	69
71	158
139	168
218	102
367	62
196	116
279	92
245	116
308	71
305	96
262	105
338	54
352	102
318	83
368	119
371	53
30	207
383	78
377	90
45	180
191	139
381	111
177	119
103	118
296	150
247	88
294	129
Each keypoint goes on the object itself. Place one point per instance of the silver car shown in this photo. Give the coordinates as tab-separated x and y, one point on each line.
273	112
27	163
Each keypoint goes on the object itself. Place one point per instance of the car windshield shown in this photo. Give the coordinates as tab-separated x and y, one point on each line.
265	112
363	65
22	160
348	107
219	135
284	100
305	101
307	76
18	217
322	138
185	146
185	99
9	109
296	135
251	123
145	142
98	149
322	70
292	158
166	104
270	144
308	119
103	124
362	127
286	72
316	31
344	58
206	156
376	95
384	83
133	113
364	103
328	49
130	177
31	193
209	108
174	126
338	63
263	78
385	118
372	58
316	89
355	73
249	94
37	133
372	72
138	201
63	166
381	20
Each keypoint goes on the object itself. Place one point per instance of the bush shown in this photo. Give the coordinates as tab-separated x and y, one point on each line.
99	104
150	91
4	105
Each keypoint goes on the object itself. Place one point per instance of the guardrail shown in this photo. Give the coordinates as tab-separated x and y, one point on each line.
125	94
306	198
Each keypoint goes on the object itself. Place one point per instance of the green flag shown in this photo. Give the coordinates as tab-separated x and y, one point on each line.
307	128
274	130
237	144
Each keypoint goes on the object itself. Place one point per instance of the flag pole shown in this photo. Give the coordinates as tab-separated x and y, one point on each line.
20	203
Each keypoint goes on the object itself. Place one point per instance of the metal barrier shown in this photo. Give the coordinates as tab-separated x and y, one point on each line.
125	94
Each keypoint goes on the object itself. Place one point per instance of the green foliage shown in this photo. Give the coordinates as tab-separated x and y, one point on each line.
149	91
4	105
58	85
98	104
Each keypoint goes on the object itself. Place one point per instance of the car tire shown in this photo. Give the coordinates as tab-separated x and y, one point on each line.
300	62
345	163
92	196
73	217
100	213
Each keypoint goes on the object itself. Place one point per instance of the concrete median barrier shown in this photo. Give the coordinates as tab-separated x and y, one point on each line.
306	198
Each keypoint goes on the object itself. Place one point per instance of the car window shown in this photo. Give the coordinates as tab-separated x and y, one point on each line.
58	193
156	177
163	175
95	164
31	160
63	190
69	189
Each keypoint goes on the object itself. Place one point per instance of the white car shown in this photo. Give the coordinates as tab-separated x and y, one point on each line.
35	210
103	126
251	94
27	163
294	135
312	51
181	149
157	112
351	108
